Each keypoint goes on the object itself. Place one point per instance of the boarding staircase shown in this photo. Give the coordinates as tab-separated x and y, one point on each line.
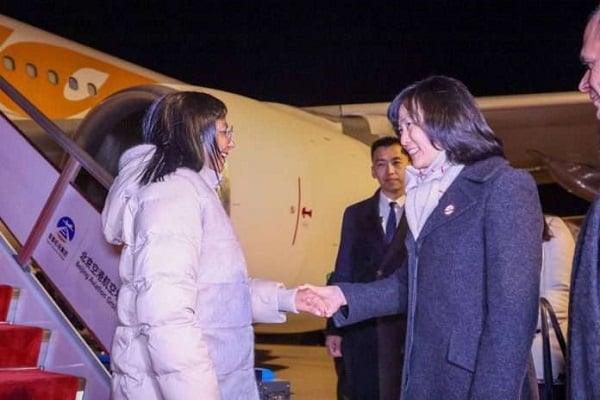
22	358
57	275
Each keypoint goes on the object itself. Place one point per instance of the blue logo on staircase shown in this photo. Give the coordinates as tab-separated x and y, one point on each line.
65	232
66	229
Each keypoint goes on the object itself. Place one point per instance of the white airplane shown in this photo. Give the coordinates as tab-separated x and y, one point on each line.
293	170
290	176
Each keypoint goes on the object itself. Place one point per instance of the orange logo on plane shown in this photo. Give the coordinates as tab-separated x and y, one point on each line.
42	72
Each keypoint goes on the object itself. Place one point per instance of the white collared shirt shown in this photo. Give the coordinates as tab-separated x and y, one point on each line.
384	208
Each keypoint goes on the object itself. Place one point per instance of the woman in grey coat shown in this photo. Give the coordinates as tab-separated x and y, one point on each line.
471	282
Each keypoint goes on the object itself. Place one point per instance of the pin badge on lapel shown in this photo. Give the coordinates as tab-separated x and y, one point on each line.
449	209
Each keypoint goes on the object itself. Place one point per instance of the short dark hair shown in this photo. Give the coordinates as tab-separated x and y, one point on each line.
181	125
593	15
448	114
595	12
385	141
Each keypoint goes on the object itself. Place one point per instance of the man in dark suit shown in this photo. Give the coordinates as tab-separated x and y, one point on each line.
583	361
369	354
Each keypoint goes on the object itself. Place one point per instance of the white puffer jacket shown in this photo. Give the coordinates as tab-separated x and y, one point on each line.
186	305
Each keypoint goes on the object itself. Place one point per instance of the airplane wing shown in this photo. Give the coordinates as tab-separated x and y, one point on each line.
554	136
560	126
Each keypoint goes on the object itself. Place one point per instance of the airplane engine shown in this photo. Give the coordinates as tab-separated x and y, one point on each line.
287	182
109	129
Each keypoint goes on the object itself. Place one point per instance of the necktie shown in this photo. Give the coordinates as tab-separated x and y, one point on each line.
390	227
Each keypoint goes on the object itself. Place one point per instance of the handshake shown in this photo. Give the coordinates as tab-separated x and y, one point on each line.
322	301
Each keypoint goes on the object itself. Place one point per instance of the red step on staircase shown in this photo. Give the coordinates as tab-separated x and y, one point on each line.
21	360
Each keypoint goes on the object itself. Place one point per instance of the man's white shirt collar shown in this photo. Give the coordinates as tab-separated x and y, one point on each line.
384	202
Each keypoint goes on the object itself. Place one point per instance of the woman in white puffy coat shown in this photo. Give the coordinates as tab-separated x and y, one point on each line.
186	304
558	248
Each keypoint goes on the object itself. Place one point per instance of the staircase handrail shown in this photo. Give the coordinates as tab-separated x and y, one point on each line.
63	140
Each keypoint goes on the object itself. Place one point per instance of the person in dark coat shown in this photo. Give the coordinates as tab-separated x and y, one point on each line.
369	354
471	286
583	337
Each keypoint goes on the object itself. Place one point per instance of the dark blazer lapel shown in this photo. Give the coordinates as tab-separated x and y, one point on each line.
395	250
371	232
401	231
371	221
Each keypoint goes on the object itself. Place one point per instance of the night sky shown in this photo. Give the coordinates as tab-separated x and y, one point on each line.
329	52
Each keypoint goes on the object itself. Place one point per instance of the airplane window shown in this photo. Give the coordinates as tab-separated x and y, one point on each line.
52	77
31	70
92	90
73	85
9	63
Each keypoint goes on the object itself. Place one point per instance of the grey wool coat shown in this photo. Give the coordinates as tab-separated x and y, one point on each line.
470	290
583	361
